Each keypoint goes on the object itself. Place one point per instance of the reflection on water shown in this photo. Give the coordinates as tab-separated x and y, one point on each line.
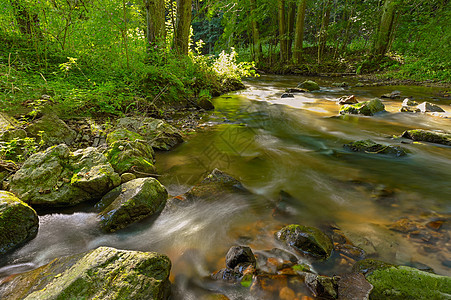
297	148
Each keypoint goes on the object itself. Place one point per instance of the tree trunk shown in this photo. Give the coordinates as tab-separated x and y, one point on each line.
385	28
155	12
183	26
322	38
290	27
28	23
255	33
282	32
299	31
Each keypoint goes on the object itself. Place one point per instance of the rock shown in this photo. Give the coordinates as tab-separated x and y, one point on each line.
131	156
429	107
131	202
309	85
7	122
354	286
369	146
57	177
287	95
126	177
205	103
54	131
305	239
400	282
323	287
159	134
392	95
340	84
240	255
295	90
367	108
411	109
359	84
428	136
123	134
215	185
11	134
103	273
347	100
409	102
18	222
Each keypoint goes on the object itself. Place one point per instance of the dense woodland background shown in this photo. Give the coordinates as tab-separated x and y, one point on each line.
112	56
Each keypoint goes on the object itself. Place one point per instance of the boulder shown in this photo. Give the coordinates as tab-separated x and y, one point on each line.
347	100
18	222
429	107
428	136
123	134
103	273
204	102
367	108
400	282
392	95
309	85
215	185
131	202
369	146
159	134
131	156
57	177
306	240
54	131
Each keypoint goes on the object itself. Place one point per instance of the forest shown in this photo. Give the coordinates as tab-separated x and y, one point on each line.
225	149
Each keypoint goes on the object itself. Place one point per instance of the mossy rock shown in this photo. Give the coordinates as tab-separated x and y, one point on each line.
307	240
367	266
216	185
123	134
54	130
131	156
369	146
103	273
309	85
400	282
7	122
367	108
131	202
428	136
18	222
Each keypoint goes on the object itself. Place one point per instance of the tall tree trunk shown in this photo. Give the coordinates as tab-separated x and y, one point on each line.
28	23
385	27
183	26
290	27
322	38
299	31
155	12
255	33
282	31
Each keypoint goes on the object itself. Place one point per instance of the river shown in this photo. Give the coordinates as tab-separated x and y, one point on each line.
294	145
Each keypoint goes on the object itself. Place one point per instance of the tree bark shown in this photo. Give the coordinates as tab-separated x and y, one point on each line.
322	38
182	30
282	32
290	28
299	31
257	47
155	12
385	28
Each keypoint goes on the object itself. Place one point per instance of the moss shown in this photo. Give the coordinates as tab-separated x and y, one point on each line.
428	136
370	146
309	85
127	156
305	239
408	283
367	108
123	134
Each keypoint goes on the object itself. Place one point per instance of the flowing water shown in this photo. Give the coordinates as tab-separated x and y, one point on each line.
271	145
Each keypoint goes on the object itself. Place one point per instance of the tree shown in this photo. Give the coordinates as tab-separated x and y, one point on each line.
299	31
385	29
183	25
322	36
28	22
255	32
282	31
155	21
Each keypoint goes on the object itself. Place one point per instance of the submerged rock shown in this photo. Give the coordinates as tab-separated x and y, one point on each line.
103	273
295	90
347	100
159	134
131	202
53	130
215	185
400	282
367	108
429	107
392	95
307	240
369	146
287	95
309	85
428	136
18	222
57	177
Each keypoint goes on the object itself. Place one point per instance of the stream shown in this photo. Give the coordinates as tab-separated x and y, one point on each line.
289	153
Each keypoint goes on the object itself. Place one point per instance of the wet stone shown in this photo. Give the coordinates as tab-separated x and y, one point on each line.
240	255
